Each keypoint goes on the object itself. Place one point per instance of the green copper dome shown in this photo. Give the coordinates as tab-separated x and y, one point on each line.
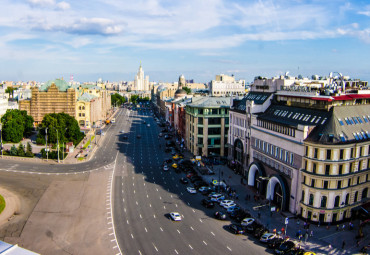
62	85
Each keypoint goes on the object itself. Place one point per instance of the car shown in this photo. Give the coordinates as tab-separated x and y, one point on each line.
285	247
138	136
259	232
122	131
78	155
232	209
268	236
220	215
125	137
251	228
236	229
175	216
206	191
217	197
148	125
177	156
165	168
225	202
227	206
174	165
203	188
184	180
160	135
191	190
247	221
275	242
208	203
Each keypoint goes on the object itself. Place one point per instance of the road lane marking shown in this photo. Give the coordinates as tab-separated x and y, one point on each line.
137	203
140	216
132	236
200	220
190	247
154	216
127	222
193	211
155	247
176	252
204	242
178	231
228	248
213	233
192	228
161	229
146	229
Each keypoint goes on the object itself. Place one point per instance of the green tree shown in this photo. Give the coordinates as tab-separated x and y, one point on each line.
117	99
134	99
21	152
16	125
29	152
13	151
187	89
10	91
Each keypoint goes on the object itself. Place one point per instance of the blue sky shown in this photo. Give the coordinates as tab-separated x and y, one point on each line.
47	39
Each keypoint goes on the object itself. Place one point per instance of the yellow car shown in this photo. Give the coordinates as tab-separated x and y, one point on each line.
177	157
174	165
309	253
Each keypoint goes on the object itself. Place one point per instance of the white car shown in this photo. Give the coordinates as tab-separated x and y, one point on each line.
165	168
203	188
247	221
191	190
175	216
217	197
266	237
227	206
122	131
225	202
148	125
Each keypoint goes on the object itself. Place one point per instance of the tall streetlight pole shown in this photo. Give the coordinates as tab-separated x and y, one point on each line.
1	136
46	142
57	142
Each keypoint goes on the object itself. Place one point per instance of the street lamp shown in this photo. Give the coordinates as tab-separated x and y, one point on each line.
46	143
270	196
57	143
1	136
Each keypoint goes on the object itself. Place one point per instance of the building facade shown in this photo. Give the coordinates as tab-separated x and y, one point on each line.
207	125
225	85
141	82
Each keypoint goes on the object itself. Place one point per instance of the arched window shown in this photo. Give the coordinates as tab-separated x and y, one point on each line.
310	202
323	201
364	193
356	196
347	199
336	202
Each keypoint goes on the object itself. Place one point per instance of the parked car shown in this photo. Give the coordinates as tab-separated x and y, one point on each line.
217	197
220	215
165	168
207	203
247	221
275	242
285	247
191	190
236	229
230	210
259	232
266	237
226	202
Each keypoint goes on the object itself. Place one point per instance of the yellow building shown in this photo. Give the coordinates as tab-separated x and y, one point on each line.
336	166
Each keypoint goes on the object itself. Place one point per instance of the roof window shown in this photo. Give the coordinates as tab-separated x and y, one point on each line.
355	135
342	138
341	122
355	119
360	120
365	119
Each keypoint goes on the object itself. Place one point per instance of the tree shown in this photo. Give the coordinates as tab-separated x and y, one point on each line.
117	99
13	151
187	89
134	99
21	152
29	152
16	125
10	90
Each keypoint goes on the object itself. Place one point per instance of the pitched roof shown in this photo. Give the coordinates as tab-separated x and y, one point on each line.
62	85
86	97
210	102
256	97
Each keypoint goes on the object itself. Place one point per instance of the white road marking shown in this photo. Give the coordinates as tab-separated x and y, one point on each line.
228	248
176	205
132	236
147	196
154	216
146	230
213	233
150	205
192	228
200	220
176	252
161	229
160	197
190	246
137	203
155	247
193	211
164	207
127	222
204	242
178	231
140	216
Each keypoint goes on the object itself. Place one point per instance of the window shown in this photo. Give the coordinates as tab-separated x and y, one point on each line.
315	153
200	130
328	154
325	186
339	184
200	121
314	168
306	151
310	202
323	201
302	198
341	154
364	193
200	140
312	183
347	199
340	169
336	202
356	197
327	169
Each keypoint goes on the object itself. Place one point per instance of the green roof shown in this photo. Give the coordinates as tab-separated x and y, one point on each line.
62	85
86	97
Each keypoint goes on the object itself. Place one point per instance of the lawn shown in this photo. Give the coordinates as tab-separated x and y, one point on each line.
2	203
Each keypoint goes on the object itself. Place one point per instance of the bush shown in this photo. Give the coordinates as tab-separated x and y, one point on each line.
13	151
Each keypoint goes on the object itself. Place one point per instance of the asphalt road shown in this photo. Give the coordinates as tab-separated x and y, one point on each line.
144	195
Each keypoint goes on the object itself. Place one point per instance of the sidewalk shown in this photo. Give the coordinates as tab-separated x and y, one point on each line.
322	236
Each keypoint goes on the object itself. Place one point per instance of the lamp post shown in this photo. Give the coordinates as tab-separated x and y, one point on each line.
46	143
1	136
57	143
270	196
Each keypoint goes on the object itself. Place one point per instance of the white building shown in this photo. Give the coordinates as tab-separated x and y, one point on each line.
141	83
225	85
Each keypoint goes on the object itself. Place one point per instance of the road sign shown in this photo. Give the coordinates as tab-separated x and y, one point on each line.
214	182
273	208
286	221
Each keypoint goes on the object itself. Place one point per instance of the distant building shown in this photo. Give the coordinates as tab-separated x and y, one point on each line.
141	83
225	85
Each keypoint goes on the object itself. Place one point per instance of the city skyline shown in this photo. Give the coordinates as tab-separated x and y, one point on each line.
47	39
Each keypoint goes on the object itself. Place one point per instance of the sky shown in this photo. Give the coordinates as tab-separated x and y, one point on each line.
91	39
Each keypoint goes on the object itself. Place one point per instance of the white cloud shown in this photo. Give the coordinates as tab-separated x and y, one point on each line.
366	13
63	6
42	3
